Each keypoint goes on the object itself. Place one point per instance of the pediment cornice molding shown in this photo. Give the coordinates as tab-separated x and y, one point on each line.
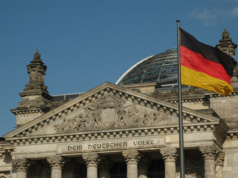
114	134
189	100
100	91
232	135
218	96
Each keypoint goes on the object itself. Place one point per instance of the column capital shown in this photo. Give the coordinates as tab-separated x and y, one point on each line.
209	152
56	162
131	156
21	165
169	154
91	159
220	158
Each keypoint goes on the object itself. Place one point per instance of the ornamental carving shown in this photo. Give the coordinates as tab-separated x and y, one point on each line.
56	162
209	152
220	159
110	112
169	153
91	159
132	156
21	165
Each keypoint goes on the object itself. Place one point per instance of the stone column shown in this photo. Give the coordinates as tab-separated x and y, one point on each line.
92	160
170	155
219	165
56	164
209	154
132	157
21	166
104	166
143	167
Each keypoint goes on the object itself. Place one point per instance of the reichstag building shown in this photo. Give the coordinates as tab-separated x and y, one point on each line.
123	130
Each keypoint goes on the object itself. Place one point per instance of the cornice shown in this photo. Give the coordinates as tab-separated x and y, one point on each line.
232	135
32	110
6	149
196	98
189	100
218	96
112	134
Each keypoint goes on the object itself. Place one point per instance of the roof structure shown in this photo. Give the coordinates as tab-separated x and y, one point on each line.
161	68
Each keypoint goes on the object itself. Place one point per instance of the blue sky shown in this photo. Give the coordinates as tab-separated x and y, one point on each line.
85	43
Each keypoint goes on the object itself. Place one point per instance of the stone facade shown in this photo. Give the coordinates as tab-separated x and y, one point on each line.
121	131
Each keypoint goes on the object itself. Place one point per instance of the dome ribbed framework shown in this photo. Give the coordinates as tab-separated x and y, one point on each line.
162	68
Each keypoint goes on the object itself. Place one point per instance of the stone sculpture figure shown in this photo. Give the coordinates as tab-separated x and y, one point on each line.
109	112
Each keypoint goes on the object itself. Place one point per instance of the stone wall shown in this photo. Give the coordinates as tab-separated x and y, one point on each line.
226	108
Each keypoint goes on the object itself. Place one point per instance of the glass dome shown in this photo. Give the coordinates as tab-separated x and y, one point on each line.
162	68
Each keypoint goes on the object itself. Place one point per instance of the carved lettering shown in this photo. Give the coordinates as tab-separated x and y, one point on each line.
110	145
143	142
107	145
75	148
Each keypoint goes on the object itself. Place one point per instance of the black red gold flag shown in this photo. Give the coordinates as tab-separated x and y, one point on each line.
204	66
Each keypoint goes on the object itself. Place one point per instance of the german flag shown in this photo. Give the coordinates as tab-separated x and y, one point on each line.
204	66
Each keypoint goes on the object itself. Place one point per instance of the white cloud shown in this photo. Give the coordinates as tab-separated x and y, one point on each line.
234	12
211	16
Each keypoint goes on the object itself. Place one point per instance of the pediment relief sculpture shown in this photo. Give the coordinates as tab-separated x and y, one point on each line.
110	112
109	107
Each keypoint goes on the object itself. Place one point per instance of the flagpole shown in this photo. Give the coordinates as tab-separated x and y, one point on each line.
181	142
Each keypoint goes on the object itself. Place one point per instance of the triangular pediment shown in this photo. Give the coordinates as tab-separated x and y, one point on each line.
109	107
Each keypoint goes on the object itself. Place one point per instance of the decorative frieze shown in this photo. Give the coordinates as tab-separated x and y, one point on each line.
111	112
189	100
169	154
56	162
209	152
21	165
91	159
112	134
22	112
217	96
131	156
